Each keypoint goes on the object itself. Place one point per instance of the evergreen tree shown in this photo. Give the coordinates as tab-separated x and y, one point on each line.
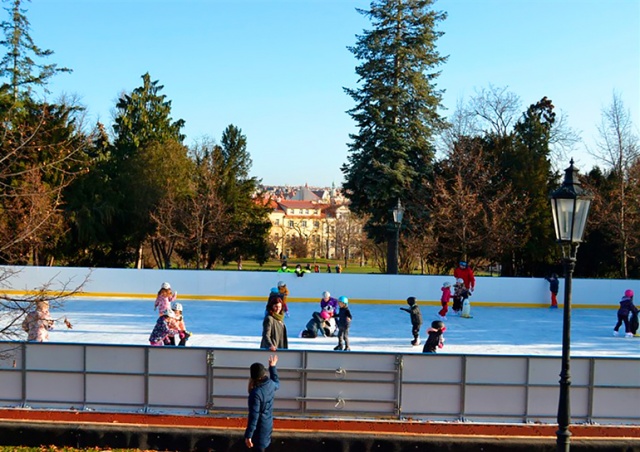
396	111
148	158
248	219
18	65
527	166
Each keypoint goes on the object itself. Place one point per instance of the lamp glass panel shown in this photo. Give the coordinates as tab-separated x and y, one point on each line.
564	218
580	218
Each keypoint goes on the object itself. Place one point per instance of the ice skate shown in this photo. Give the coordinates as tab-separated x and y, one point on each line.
347	349
415	342
628	335
338	347
615	333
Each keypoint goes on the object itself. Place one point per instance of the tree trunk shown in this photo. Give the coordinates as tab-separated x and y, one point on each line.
139	259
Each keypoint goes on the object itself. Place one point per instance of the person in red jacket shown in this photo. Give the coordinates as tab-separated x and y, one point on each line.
465	273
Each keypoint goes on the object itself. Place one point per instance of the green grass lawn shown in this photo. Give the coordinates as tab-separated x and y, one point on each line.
274	264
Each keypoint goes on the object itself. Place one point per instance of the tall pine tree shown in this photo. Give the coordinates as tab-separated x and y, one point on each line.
148	159
18	64
396	111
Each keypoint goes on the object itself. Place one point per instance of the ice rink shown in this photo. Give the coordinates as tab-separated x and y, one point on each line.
375	327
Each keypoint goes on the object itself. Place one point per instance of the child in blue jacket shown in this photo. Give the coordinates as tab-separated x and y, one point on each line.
262	391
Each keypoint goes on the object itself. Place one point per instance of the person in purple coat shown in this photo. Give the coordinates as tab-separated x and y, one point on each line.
262	391
328	304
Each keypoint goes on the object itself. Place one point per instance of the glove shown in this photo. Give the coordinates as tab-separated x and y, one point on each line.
69	325
444	328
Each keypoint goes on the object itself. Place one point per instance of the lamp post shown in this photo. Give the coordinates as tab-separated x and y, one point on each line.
392	248
570	207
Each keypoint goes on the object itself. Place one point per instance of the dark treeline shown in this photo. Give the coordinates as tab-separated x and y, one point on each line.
474	185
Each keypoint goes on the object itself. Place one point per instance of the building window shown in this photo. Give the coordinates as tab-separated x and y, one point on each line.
290	223
316	224
303	223
306	211
277	222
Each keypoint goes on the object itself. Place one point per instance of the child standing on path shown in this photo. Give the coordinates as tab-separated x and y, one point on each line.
554	286
344	322
444	300
416	319
435	339
165	298
626	307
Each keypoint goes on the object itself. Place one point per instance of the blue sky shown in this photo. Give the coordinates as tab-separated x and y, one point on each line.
276	68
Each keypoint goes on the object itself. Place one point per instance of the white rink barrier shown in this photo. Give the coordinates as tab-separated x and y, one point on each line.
209	381
255	285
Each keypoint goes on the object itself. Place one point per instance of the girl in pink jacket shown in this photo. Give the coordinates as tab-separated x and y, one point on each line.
165	298
38	323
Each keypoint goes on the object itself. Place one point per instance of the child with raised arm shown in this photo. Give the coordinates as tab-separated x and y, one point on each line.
262	390
165	298
416	319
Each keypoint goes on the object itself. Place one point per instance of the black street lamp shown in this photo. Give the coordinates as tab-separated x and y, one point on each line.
570	207
394	243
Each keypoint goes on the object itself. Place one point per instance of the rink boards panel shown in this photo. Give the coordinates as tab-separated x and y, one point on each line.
447	387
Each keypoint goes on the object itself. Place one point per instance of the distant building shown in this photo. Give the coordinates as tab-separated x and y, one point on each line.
308	222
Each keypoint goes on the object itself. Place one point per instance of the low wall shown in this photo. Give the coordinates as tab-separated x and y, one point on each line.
355	385
255	285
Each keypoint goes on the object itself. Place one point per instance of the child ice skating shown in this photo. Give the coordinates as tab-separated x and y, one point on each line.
165	326
38	323
183	334
343	319
444	300
554	286
283	290
416	319
328	305
626	307
435	339
459	292
164	299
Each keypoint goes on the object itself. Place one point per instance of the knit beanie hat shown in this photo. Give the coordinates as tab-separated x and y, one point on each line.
257	371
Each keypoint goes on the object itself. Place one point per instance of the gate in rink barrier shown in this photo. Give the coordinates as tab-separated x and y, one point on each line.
194	380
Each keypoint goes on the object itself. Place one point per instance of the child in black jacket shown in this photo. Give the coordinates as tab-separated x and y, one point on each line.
416	319
627	307
435	339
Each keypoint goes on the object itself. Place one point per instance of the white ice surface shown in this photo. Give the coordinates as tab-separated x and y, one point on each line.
375	328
